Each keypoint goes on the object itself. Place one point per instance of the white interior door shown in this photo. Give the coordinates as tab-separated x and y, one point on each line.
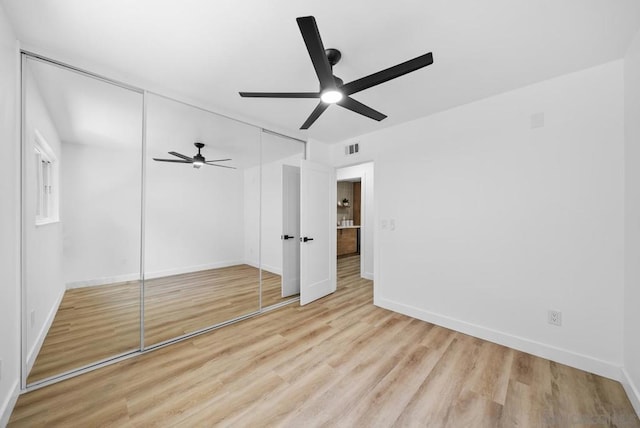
317	231
290	230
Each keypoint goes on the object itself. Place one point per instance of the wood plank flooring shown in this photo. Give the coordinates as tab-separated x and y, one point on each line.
337	362
95	323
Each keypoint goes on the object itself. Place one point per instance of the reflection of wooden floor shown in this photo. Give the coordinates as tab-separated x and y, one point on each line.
92	323
272	289
339	361
95	323
181	304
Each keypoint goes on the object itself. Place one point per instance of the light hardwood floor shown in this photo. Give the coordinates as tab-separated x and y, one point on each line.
95	323
337	362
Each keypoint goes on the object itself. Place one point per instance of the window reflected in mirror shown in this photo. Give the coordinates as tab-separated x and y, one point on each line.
81	220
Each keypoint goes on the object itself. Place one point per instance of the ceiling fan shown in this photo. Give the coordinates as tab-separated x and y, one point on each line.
197	160
332	89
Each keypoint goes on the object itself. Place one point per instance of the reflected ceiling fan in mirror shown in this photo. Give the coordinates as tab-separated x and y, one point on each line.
197	160
332	89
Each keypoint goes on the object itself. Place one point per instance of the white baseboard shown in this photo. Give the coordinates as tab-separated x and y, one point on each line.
583	362
272	269
191	269
252	263
632	390
42	334
150	275
102	281
9	403
367	275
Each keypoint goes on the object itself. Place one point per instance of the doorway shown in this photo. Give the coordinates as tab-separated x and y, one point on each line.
349	217
354	235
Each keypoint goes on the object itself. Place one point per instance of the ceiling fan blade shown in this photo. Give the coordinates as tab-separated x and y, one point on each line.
280	94
181	156
358	107
217	160
311	36
388	74
220	166
173	160
315	114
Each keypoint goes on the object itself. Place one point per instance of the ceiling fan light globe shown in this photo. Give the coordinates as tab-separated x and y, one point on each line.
331	96
198	159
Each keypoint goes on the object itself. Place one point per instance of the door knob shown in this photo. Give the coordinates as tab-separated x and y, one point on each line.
285	237
305	239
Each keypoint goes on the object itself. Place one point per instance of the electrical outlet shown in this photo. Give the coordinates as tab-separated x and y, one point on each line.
33	318
383	224
555	317
392	224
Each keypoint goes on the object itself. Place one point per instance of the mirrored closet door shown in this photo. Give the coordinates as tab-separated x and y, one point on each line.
82	186
145	220
202	228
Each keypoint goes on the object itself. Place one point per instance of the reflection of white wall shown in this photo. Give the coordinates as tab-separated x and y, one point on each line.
251	216
271	217
194	217
365	172
100	204
9	225
43	278
101	127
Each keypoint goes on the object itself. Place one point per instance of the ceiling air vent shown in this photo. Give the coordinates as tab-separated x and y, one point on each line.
351	149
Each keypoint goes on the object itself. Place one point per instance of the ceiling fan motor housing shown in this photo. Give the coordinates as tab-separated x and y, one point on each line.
333	55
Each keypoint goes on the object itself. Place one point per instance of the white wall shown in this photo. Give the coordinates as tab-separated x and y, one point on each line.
632	223
365	172
497	222
9	221
317	151
194	217
44	282
100	205
252	216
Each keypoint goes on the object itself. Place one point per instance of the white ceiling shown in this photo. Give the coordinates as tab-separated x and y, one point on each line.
86	110
207	51
91	112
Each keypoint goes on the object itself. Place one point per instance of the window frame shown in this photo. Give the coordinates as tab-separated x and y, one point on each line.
46	182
